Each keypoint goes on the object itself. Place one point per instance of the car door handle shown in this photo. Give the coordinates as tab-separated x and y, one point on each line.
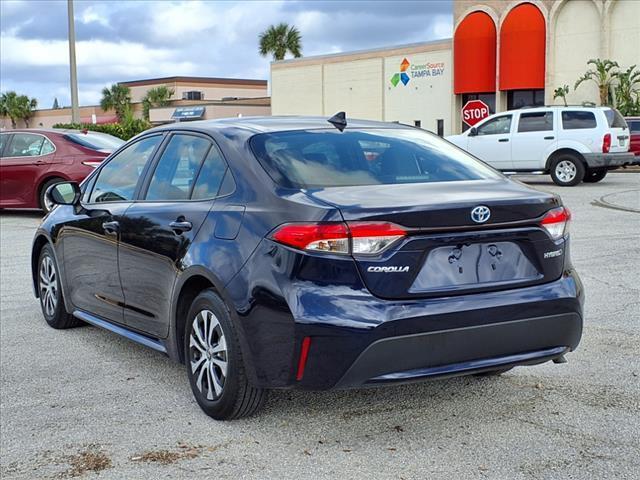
503	140
549	138
111	228
180	226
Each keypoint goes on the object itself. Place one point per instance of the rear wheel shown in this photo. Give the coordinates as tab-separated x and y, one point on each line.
50	292
45	204
214	361
594	175
567	170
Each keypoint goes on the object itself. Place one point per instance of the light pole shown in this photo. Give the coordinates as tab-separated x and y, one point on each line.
75	109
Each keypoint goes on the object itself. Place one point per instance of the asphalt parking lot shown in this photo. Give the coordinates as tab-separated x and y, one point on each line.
86	403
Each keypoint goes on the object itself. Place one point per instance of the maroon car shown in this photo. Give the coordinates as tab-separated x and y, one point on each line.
33	159
634	130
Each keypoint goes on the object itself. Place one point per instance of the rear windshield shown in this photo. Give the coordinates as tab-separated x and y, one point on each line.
329	158
96	141
614	119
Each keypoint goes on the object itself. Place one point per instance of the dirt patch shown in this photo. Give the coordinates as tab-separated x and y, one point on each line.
88	461
167	457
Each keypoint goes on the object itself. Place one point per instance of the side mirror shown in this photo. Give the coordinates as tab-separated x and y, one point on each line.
64	193
473	131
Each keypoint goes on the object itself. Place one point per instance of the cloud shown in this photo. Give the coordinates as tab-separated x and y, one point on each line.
119	41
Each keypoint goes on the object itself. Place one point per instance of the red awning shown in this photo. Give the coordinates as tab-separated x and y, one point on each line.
522	49
474	55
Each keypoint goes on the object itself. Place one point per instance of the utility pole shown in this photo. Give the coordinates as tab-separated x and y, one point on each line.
75	109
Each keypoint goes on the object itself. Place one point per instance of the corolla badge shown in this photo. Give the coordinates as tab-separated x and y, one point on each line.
480	214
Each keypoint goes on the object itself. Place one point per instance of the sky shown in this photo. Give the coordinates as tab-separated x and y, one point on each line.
132	40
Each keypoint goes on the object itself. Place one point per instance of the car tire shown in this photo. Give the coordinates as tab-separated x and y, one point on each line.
567	170
594	175
214	361
493	373
42	201
50	292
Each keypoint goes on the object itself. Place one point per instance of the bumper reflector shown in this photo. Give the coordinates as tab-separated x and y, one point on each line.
304	353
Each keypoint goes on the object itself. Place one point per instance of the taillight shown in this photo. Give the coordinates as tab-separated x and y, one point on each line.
556	222
92	164
359	238
606	143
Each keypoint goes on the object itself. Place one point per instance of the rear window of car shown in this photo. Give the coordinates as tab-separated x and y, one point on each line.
96	141
329	158
535	122
614	119
575	120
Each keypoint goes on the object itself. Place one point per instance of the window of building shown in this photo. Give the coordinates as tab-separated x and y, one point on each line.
576	120
417	123
524	98
535	122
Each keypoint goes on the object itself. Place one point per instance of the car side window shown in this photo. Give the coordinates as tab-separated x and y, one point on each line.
178	167
535	122
3	141
211	174
634	126
25	145
47	147
578	120
496	126
118	179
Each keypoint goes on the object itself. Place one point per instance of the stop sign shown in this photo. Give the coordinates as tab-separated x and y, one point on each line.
474	111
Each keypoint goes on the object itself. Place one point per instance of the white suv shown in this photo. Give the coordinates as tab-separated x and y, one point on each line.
570	143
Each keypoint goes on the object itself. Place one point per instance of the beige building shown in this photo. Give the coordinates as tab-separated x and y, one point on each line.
506	53
219	97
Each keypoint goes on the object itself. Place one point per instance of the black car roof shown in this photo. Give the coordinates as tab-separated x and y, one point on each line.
276	124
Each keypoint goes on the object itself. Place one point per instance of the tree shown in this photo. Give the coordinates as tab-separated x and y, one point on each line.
603	76
55	103
627	91
17	107
156	97
279	40
561	92
118	98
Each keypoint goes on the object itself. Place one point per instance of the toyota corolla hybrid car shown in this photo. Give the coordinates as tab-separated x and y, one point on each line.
31	160
293	252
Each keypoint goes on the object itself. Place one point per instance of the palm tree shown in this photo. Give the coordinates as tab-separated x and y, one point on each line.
628	87
603	76
561	92
156	97
279	40
17	107
118	98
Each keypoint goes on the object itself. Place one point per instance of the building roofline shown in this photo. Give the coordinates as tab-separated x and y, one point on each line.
445	42
214	80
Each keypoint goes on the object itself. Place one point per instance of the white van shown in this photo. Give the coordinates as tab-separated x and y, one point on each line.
571	144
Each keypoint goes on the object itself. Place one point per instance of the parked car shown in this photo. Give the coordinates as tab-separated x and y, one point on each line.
571	144
277	253
31	160
634	130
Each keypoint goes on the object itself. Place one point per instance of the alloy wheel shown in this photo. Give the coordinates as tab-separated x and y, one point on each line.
208	354
48	286
566	171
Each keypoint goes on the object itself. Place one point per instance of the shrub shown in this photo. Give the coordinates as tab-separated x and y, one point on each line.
124	130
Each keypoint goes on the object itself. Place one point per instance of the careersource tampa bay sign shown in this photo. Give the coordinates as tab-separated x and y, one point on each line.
410	70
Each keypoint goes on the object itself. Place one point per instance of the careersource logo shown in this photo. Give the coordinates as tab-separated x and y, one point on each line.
409	71
402	75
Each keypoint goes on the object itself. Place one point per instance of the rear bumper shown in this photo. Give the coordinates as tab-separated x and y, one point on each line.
598	160
465	350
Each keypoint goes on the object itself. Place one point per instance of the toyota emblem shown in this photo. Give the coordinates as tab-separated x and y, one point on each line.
480	214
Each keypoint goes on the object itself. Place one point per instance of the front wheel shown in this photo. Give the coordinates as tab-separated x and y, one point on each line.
50	292
567	170
594	175
214	361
